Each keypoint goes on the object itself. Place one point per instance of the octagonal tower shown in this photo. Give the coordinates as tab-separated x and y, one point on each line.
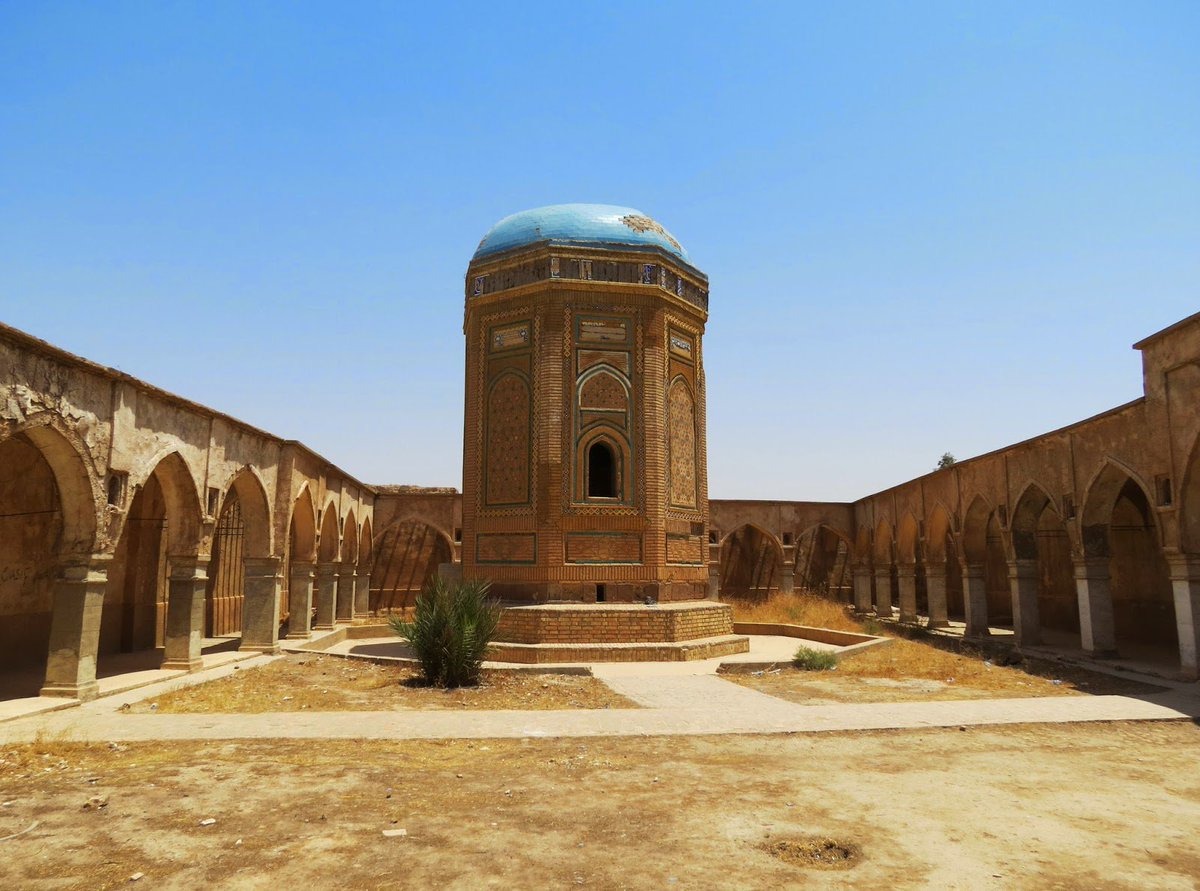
584	453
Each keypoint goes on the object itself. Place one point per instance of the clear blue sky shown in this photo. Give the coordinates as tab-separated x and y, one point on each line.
928	227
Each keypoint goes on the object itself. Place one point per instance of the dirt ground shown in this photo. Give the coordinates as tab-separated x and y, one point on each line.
1028	807
295	683
912	671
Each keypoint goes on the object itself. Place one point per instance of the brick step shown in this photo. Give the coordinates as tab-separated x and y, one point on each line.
659	651
614	623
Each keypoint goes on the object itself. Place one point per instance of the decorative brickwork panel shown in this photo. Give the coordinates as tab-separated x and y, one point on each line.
604	548
681	432
687	549
603	391
506	548
508	441
618	360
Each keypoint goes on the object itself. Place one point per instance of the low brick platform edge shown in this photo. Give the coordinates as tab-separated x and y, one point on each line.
588	624
663	651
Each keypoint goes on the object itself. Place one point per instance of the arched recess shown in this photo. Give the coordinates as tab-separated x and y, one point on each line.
1119	527
1039	534
941	552
47	512
681	445
243	530
908	554
350	539
978	543
406	557
302	530
885	565
329	544
999	589
365	542
301	546
824	563
751	562
508	440
163	521
591	444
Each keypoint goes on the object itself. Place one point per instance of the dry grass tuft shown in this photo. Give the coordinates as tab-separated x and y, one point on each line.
800	608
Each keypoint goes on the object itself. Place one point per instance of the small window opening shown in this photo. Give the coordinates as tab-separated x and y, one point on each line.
1068	506
787	539
214	498
116	488
458	536
602	471
601	594
713	537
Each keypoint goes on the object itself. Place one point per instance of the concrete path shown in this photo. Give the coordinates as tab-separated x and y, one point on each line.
674	705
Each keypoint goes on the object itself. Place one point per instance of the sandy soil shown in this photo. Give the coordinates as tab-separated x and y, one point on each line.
330	683
1046	807
912	671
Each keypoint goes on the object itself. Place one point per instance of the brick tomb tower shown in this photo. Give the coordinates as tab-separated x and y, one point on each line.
584	477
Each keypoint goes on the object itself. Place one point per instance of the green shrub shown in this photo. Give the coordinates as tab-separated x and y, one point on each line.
814	660
452	624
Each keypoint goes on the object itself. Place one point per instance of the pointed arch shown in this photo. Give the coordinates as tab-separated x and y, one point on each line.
975	530
1106	487
405	557
751	562
1026	516
302	528
256	511
824	557
350	538
938	534
78	490
883	543
365	543
329	542
906	538
184	510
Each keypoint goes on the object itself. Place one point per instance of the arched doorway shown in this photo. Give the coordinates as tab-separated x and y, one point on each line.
1135	599
31	533
1039	535
406	558
823	564
751	564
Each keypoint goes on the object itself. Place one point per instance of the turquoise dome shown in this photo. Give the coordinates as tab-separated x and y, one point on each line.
584	225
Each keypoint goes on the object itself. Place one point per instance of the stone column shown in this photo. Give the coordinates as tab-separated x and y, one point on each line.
345	592
1185	581
906	581
935	586
185	613
1097	630
883	592
326	596
260	606
362	593
75	629
787	581
300	596
975	600
1023	582
862	590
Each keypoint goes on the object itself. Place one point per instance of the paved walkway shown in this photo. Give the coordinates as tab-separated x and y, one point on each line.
673	703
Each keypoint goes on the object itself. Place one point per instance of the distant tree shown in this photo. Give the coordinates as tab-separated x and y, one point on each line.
946	461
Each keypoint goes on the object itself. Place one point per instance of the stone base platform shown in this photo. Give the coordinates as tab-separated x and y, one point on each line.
615	632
